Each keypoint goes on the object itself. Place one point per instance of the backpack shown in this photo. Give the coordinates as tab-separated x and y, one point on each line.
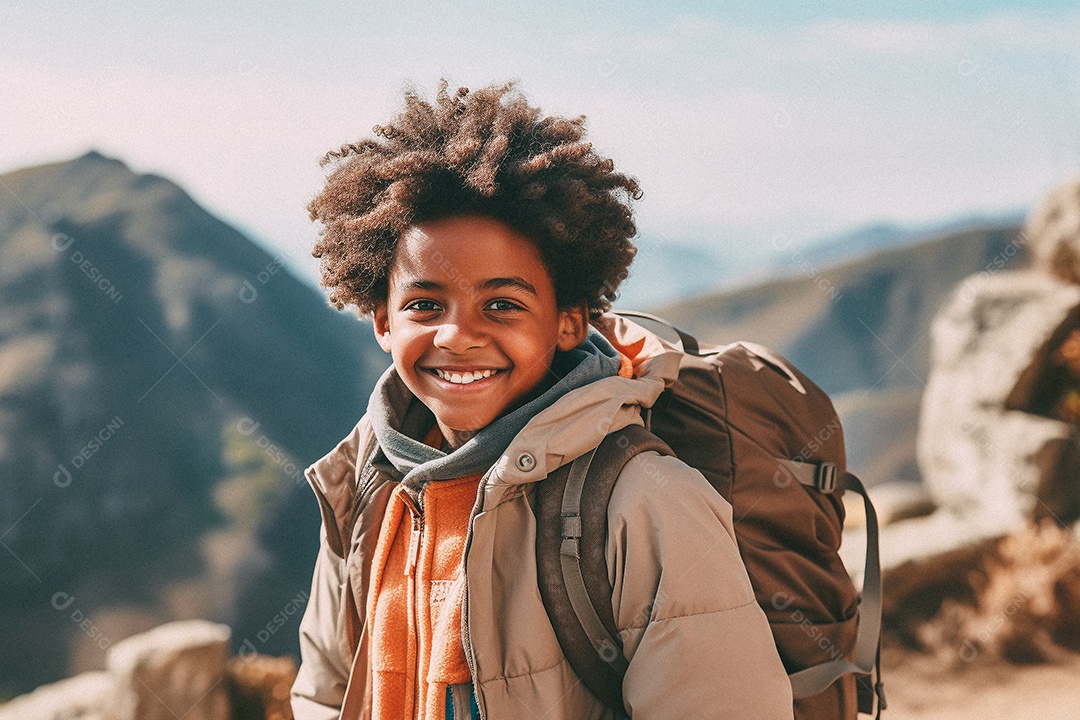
770	442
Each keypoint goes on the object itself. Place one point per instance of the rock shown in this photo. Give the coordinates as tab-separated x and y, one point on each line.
980	462
83	697
898	506
893	501
1053	233
916	547
174	671
178	671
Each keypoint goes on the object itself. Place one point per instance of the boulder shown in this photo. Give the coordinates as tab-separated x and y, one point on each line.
1015	599
989	461
177	671
980	461
174	671
83	697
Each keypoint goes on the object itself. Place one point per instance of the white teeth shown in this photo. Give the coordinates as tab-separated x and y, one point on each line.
466	377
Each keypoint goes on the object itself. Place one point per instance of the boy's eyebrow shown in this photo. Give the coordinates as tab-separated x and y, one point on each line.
423	285
492	284
513	282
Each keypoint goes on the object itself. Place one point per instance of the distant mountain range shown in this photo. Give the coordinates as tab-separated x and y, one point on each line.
164	381
140	340
875	237
668	270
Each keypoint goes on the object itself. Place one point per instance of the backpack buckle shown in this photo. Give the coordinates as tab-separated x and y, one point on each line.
825	477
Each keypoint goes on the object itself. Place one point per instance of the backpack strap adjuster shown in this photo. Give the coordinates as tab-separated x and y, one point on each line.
571	535
825	477
822	476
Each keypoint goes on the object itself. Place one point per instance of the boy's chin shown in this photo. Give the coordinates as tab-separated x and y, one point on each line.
462	425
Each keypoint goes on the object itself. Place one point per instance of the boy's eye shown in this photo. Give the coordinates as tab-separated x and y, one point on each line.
502	305
423	306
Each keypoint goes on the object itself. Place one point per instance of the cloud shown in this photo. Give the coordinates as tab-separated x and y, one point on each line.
1010	31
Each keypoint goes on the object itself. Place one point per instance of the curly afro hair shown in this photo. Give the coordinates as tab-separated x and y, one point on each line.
485	152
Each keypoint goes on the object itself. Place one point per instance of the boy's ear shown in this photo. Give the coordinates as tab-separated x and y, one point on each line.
381	322
573	326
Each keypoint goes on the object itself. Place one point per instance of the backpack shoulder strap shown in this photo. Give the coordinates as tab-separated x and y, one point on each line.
571	560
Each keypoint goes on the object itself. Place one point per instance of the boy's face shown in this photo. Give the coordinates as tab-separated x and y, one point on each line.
471	320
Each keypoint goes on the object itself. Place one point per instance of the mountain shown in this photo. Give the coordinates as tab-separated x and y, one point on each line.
161	375
859	328
667	270
880	236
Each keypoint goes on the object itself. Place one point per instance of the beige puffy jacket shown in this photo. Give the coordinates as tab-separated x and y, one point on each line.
697	642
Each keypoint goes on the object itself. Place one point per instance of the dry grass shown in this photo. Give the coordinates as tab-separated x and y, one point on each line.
1026	602
259	687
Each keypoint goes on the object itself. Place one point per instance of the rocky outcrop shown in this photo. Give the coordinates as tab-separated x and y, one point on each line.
1015	599
177	670
980	460
83	697
997	428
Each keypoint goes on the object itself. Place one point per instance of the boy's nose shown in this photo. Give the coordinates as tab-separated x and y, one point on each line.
457	336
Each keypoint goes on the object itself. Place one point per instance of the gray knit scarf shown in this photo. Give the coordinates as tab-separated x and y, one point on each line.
400	420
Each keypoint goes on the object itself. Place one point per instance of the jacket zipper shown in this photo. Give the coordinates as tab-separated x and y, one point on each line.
466	641
415	540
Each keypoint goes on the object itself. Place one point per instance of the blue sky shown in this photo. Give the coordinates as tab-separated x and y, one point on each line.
742	120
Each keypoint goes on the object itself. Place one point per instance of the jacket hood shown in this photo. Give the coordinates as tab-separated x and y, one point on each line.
578	421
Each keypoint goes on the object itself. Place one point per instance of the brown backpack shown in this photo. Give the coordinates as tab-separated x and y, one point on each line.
770	442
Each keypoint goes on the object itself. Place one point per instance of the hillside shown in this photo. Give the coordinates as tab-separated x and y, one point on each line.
859	329
159	373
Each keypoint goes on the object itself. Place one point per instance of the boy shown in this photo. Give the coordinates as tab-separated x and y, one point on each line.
486	242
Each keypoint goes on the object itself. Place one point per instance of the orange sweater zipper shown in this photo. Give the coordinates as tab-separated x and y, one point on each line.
416	536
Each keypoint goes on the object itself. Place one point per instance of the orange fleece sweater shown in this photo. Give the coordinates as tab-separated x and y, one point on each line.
416	601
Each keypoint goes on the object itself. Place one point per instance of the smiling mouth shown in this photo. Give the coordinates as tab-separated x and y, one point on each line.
466	377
